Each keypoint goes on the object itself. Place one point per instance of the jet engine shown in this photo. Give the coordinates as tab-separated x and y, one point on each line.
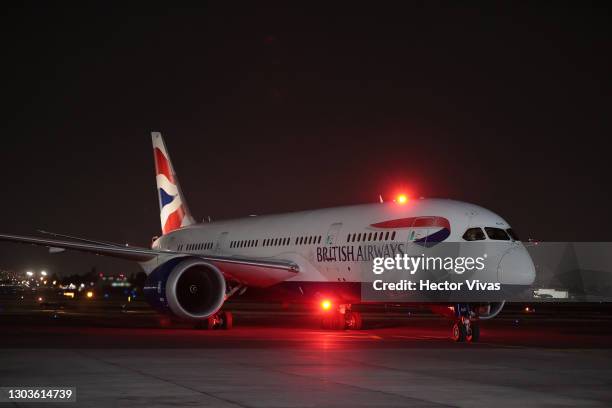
189	288
489	310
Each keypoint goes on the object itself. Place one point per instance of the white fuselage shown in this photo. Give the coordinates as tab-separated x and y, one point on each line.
338	244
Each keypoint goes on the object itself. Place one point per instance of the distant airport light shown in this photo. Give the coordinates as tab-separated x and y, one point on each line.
29	273
43	273
326	304
89	294
402	199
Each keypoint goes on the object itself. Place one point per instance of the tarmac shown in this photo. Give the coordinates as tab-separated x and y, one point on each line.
275	358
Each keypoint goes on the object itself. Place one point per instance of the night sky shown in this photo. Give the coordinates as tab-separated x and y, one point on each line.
268	109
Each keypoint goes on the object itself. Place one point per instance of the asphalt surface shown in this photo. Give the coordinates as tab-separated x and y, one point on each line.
276	358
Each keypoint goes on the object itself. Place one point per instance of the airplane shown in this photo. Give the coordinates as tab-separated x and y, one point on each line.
313	256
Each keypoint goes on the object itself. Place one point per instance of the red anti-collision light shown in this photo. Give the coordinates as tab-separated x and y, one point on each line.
326	305
402	199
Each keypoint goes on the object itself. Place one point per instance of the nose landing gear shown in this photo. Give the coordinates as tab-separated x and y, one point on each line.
466	326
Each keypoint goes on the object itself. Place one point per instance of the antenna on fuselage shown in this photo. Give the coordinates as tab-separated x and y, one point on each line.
380	198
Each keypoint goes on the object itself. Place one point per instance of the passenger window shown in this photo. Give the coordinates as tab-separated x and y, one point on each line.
319	240
393	236
497	234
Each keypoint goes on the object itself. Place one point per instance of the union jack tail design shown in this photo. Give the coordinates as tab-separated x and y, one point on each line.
172	206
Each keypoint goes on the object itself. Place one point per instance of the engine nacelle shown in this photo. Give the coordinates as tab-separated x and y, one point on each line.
189	288
490	310
484	311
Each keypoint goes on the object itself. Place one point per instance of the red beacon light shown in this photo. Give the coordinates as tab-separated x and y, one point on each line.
402	199
326	304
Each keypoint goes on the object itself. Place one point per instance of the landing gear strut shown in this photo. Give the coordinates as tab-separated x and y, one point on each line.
220	321
466	326
341	319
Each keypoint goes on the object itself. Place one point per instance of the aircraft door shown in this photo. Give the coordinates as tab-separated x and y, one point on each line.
419	230
332	234
221	242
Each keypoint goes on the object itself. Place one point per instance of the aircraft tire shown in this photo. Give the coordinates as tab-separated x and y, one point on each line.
474	335
459	332
354	321
227	320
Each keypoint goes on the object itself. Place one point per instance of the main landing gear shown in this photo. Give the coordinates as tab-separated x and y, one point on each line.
466	326
343	318
219	321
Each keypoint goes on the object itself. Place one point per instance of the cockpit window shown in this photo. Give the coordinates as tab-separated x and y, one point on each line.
512	234
497	234
474	234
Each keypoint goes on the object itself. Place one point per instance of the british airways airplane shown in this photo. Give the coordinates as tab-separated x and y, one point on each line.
315	256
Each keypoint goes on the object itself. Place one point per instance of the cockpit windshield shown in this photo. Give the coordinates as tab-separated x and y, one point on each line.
512	234
497	234
474	234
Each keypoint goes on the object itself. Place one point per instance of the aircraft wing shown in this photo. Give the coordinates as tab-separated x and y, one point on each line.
249	271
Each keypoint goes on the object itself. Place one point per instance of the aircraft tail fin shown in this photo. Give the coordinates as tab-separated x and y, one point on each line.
173	210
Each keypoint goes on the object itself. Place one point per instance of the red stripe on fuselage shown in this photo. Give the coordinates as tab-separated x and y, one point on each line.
162	166
416	222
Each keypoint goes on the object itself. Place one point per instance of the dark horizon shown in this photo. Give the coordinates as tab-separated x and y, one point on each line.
283	109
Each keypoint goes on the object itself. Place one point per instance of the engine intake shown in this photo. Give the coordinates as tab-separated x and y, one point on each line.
190	288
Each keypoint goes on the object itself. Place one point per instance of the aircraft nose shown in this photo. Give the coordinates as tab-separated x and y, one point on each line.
516	267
